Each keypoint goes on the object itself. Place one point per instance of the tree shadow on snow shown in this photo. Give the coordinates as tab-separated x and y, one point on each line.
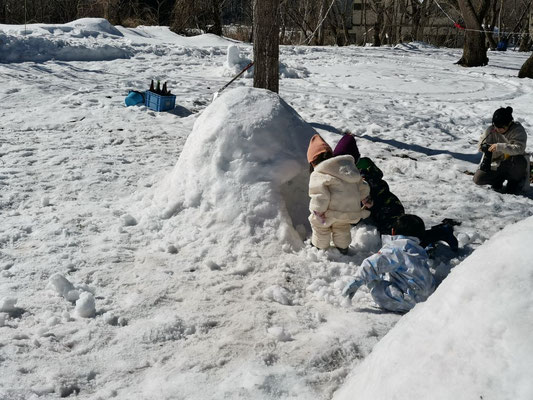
379	311
471	158
325	127
180	111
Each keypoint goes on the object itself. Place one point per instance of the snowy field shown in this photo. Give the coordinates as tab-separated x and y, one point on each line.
149	255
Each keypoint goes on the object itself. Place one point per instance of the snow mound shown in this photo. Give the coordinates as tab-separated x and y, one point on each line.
470	339
235	62
92	27
85	39
243	170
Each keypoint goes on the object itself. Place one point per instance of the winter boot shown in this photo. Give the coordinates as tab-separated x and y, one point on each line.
486	161
343	251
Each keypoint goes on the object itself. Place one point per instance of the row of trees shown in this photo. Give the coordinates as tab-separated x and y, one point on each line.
473	12
300	21
315	22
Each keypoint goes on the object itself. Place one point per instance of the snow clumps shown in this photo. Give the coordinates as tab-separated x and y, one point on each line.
85	304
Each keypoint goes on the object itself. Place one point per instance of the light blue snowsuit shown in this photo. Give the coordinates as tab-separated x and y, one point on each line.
398	275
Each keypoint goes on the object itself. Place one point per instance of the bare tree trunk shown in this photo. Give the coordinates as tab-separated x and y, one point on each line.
283	23
525	41
527	69
416	29
217	18
474	49
320	37
378	25
266	44
490	29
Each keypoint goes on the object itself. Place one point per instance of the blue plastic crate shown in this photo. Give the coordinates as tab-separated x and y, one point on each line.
157	102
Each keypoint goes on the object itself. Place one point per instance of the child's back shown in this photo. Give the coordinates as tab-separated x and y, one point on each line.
398	276
336	190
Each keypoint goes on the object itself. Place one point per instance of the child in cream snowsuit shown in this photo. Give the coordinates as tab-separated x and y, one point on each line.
336	190
398	276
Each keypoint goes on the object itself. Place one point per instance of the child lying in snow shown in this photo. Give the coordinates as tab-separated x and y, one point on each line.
398	275
336	190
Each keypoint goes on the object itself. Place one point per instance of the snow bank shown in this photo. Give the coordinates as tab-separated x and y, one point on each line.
470	340
40	49
92	27
91	39
75	41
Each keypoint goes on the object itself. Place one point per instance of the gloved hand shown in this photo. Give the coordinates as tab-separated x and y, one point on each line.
351	288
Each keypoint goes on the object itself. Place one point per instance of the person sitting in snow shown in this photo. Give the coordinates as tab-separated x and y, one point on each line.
336	190
385	208
398	276
504	159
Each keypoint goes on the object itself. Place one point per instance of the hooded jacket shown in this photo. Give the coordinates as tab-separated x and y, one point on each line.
510	143
336	189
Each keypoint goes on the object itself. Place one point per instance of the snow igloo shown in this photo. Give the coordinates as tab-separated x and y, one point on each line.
243	171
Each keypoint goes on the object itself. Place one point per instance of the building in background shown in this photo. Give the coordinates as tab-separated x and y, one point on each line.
390	21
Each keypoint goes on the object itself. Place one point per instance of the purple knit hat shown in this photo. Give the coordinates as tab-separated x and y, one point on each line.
347	145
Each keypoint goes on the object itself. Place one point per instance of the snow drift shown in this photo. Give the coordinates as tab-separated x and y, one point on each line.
470	340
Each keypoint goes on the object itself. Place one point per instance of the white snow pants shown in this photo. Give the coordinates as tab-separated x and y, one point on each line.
338	231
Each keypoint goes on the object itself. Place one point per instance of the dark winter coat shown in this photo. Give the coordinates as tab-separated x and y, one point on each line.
387	207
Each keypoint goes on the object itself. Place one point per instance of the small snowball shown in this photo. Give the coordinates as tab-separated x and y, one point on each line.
279	333
52	321
72	295
60	284
366	238
85	306
213	266
278	294
128	220
45	201
110	318
7	304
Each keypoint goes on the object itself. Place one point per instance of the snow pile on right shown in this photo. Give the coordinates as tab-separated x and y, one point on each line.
470	340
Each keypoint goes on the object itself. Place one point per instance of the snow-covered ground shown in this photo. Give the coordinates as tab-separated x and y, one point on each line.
165	256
